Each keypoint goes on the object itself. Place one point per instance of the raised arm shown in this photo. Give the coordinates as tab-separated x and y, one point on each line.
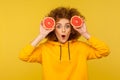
96	48
32	52
43	33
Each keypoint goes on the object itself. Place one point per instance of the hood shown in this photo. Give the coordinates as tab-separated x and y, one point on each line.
67	44
62	44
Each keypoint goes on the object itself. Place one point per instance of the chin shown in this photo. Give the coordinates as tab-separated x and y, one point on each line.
63	41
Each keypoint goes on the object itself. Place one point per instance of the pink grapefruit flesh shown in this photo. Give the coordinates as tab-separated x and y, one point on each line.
48	23
76	21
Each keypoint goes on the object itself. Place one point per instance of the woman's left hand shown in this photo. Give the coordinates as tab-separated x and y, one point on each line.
83	31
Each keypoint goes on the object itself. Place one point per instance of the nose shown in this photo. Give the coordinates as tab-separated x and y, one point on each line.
63	30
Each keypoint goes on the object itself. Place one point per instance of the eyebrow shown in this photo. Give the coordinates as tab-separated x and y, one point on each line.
67	23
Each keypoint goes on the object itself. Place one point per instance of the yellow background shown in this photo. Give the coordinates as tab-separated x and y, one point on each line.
19	24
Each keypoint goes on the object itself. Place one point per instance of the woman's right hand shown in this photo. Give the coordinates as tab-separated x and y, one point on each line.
43	31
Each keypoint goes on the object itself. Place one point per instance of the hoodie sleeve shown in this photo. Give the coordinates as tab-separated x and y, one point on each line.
31	54
97	49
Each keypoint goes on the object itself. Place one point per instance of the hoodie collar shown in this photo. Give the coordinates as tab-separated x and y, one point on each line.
67	44
62	44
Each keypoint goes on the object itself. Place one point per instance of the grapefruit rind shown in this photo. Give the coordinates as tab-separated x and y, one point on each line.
48	23
76	21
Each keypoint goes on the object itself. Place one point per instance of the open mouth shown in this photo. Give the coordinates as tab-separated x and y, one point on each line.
63	36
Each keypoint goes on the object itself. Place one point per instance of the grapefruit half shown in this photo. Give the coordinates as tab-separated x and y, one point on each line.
48	23
76	21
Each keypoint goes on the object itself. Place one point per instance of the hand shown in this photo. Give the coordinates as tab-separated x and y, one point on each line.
83	31
44	31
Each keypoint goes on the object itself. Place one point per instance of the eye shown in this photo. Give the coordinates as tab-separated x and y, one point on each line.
58	26
68	26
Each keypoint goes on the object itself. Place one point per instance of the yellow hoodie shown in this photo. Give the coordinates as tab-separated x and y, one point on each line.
65	61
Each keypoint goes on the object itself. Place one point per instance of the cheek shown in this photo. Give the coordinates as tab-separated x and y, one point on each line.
69	31
57	32
69	34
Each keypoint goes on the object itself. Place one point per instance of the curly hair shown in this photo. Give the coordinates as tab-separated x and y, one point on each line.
64	12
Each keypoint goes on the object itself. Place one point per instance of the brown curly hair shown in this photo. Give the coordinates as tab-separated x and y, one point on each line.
64	12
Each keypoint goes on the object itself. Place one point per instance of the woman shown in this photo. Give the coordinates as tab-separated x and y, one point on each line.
62	56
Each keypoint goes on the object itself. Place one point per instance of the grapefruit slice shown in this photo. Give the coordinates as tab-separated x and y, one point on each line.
76	21
48	23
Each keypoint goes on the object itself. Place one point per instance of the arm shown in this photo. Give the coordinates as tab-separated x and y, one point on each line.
96	48
32	52
42	35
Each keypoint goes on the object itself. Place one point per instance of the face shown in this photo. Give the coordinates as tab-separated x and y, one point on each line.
63	30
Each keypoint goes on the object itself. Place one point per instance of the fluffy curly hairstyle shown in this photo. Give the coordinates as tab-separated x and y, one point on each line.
64	12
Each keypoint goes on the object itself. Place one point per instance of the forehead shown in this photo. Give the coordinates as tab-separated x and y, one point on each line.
63	20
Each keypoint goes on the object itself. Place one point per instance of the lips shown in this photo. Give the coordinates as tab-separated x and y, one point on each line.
63	35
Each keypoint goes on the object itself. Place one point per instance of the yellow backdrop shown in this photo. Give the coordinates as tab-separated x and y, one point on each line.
19	24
